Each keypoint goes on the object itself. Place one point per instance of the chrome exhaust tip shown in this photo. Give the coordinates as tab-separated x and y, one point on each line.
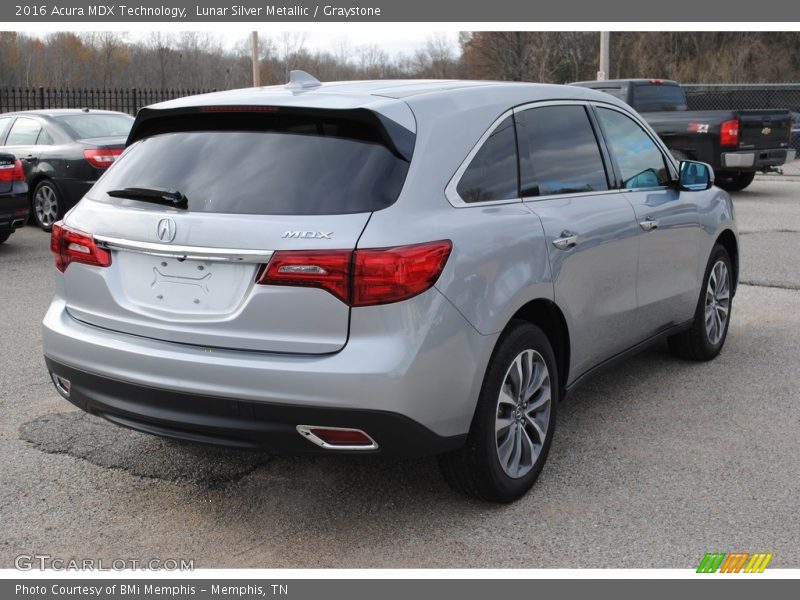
337	438
62	384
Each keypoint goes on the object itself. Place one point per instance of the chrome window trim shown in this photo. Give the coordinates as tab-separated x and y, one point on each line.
665	153
571	195
451	191
184	252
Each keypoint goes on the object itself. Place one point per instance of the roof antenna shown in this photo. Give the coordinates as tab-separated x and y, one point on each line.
300	80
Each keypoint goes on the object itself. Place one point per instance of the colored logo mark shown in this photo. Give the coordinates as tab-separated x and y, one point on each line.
735	562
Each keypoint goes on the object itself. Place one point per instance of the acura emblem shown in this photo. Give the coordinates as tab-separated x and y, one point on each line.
166	230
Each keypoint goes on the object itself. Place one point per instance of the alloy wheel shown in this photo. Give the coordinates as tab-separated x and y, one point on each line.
523	413
718	302
45	204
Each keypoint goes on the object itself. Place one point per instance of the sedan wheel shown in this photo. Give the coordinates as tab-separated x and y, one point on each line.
46	205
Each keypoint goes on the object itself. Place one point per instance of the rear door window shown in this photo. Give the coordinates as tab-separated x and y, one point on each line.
295	167
558	152
492	173
24	132
658	97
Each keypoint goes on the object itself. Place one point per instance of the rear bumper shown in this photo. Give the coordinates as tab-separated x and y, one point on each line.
756	160
238	423
417	361
13	211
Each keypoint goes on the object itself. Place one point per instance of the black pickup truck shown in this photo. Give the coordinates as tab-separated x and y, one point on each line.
736	144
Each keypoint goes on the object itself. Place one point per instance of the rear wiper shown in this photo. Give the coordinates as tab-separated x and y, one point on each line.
153	194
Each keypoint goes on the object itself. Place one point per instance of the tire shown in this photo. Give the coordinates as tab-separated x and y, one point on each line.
734	181
704	341
4	235
46	204
477	469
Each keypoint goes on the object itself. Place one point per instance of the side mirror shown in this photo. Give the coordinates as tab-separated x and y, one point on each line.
695	176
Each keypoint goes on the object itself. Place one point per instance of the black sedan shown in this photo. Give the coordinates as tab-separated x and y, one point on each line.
63	152
13	195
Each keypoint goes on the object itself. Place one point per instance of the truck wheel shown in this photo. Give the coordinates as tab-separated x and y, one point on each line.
4	235
734	181
514	420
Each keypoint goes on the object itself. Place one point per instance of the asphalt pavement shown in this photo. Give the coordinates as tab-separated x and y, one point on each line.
654	463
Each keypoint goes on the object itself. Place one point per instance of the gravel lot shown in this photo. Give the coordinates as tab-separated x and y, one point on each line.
654	462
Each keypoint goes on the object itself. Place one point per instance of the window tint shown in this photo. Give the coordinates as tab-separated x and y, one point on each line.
263	172
24	132
492	174
559	152
653	98
640	161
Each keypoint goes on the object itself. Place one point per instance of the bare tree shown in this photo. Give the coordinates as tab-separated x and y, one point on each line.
160	43
372	61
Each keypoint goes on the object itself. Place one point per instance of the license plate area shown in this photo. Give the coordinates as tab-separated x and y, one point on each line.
183	286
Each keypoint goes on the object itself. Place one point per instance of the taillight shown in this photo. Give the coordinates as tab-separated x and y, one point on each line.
329	270
69	246
10	172
361	277
102	157
729	133
387	275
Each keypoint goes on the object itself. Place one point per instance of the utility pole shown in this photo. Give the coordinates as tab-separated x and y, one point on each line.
603	73
254	55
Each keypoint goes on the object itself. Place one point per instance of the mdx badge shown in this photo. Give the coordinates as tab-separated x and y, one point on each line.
166	230
308	235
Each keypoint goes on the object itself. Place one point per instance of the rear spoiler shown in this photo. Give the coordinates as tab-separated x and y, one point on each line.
153	121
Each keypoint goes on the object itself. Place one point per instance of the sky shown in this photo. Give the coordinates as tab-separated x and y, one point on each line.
400	42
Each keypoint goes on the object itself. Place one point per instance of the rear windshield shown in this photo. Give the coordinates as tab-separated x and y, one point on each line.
98	125
655	98
313	169
617	92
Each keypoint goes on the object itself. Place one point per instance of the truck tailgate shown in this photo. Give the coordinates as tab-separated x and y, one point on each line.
762	129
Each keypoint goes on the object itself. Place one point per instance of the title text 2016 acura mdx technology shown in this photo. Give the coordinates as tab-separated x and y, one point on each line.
397	267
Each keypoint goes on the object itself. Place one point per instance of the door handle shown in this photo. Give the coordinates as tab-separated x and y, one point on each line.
649	224
566	241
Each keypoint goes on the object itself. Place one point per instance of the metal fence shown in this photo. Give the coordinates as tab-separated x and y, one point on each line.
745	96
127	100
700	96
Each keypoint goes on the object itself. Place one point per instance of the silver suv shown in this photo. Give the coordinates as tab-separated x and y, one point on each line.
394	267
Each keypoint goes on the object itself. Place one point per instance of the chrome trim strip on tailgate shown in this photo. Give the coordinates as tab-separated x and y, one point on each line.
185	252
